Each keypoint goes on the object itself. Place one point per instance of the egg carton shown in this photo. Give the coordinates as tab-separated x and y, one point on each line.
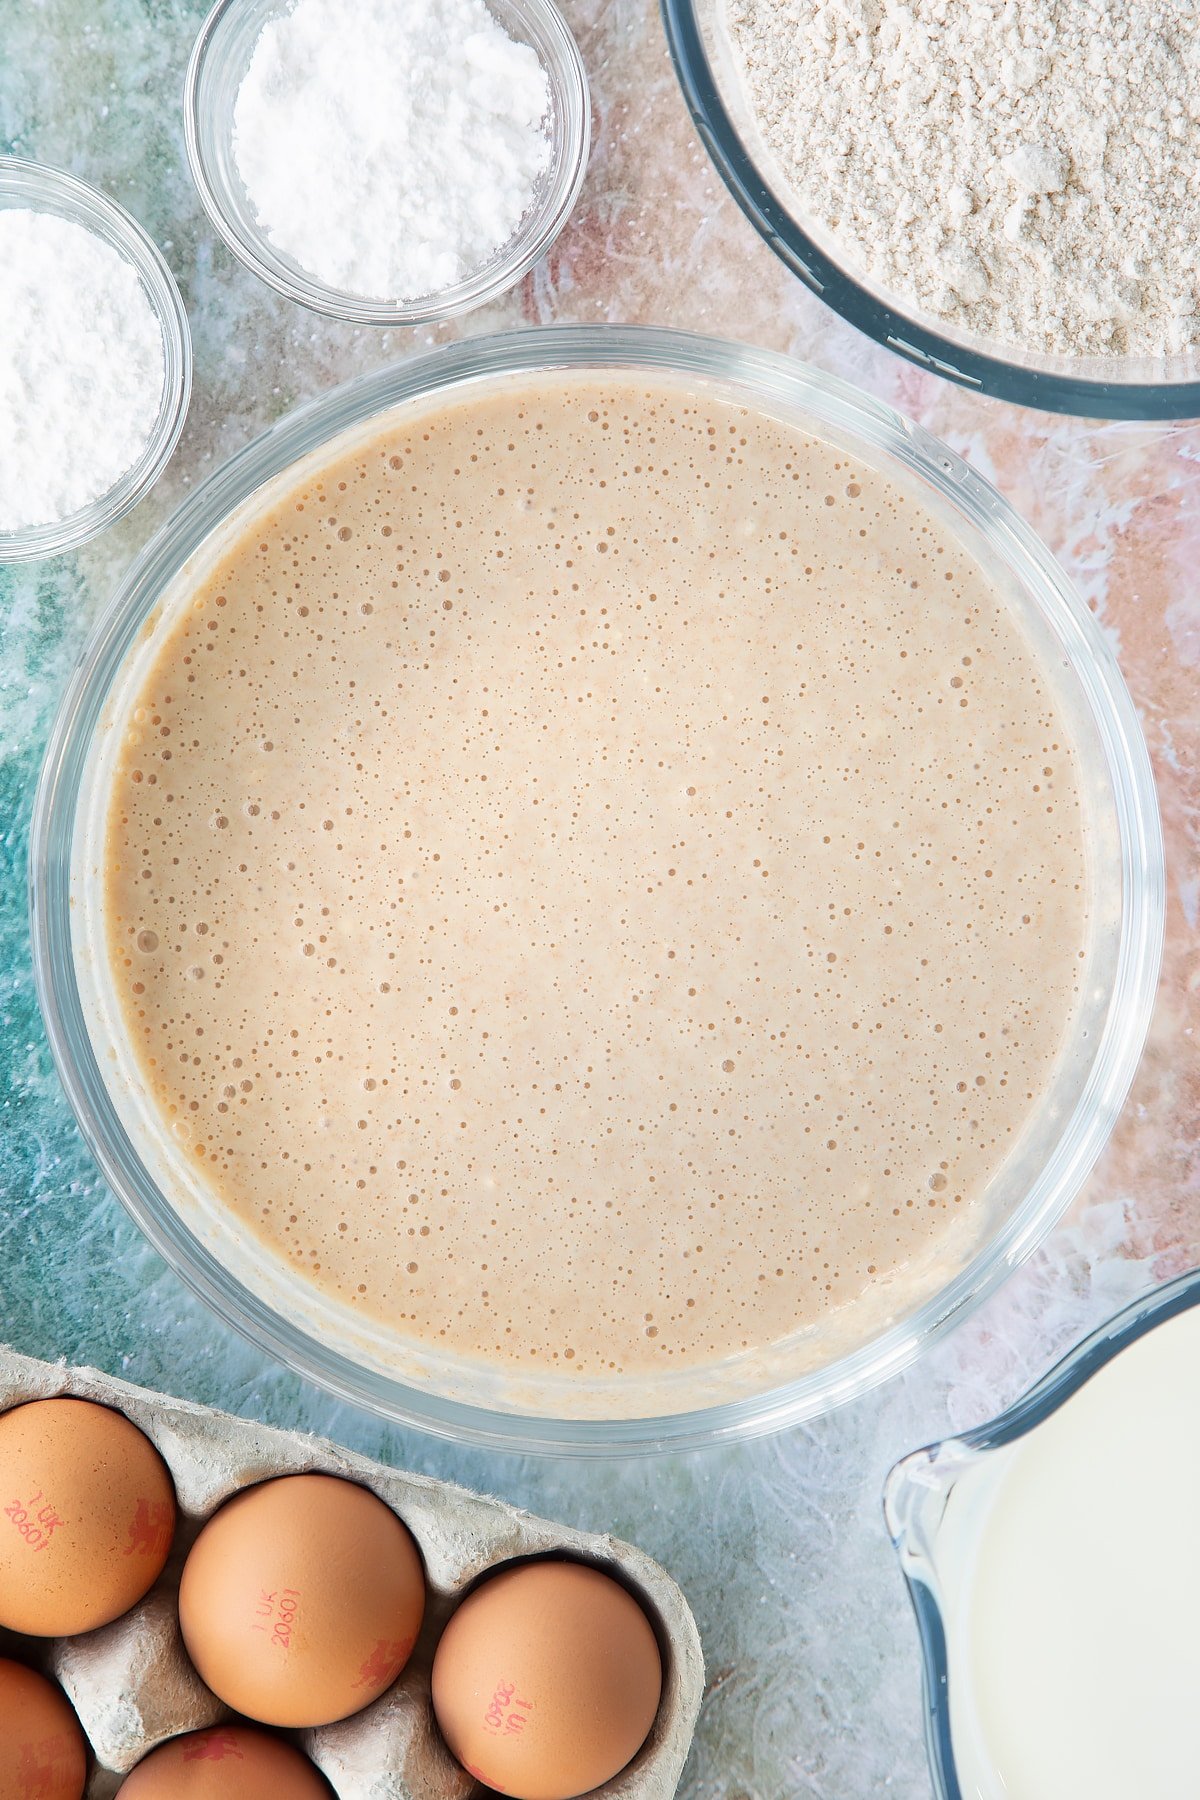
133	1687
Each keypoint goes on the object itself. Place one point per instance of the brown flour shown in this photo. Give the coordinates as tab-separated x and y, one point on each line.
1024	169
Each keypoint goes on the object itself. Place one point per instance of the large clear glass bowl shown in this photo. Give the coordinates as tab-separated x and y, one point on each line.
752	1393
1117	387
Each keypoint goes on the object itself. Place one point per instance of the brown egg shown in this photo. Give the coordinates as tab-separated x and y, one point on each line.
301	1600
87	1515
229	1762
547	1680
43	1754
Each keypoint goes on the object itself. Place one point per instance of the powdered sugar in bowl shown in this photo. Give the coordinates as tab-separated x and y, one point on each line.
102	483
382	163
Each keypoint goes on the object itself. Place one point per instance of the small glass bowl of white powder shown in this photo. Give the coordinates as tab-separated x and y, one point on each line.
389	162
95	362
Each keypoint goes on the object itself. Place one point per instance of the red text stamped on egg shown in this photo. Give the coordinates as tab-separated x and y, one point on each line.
46	1766
151	1529
384	1663
507	1714
35	1520
276	1615
214	1746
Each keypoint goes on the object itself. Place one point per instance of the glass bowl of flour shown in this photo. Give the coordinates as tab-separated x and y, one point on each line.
97	375
387	164
1002	196
594	890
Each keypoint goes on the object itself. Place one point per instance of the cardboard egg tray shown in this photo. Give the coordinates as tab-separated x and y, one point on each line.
133	1687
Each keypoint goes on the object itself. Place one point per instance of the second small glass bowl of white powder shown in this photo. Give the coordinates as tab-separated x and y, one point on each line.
95	362
389	162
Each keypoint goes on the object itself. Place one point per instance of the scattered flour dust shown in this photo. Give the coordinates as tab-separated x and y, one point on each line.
1028	169
81	368
391	147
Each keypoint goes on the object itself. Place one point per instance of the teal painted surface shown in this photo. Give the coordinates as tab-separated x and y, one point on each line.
780	1545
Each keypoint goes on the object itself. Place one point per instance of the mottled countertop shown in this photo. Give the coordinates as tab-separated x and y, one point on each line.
814	1678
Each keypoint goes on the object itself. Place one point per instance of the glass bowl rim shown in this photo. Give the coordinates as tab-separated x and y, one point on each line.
445	369
889	325
1049	1392
49	189
534	237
